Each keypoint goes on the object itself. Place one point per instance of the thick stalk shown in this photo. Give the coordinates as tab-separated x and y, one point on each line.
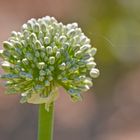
45	123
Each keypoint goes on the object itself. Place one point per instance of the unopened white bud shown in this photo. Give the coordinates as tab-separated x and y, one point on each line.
47	40
91	65
7	45
41	65
36	27
51	60
62	66
94	73
49	50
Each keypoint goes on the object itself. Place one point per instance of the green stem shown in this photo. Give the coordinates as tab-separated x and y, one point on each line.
45	123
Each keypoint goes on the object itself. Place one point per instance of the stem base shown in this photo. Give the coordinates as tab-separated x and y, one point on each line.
45	123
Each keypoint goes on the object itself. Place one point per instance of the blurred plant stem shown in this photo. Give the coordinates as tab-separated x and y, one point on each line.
45	123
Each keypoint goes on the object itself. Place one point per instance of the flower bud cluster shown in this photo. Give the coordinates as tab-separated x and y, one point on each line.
47	54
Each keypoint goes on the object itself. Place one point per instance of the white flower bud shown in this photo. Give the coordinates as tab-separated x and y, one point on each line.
82	77
93	51
78	54
94	73
26	33
71	32
58	54
7	45
6	65
33	38
83	39
36	28
62	66
47	40
84	88
43	27
55	49
51	60
85	48
74	25
24	27
91	59
1	53
25	61
88	82
29	25
40	35
18	45
38	44
90	65
62	38
14	34
41	65
47	19
49	50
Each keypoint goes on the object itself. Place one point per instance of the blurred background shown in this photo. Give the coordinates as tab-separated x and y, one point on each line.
110	111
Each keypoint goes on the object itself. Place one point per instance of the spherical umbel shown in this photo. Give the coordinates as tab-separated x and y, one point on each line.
45	55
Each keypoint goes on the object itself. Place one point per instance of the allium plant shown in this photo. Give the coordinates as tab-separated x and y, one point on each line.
43	56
